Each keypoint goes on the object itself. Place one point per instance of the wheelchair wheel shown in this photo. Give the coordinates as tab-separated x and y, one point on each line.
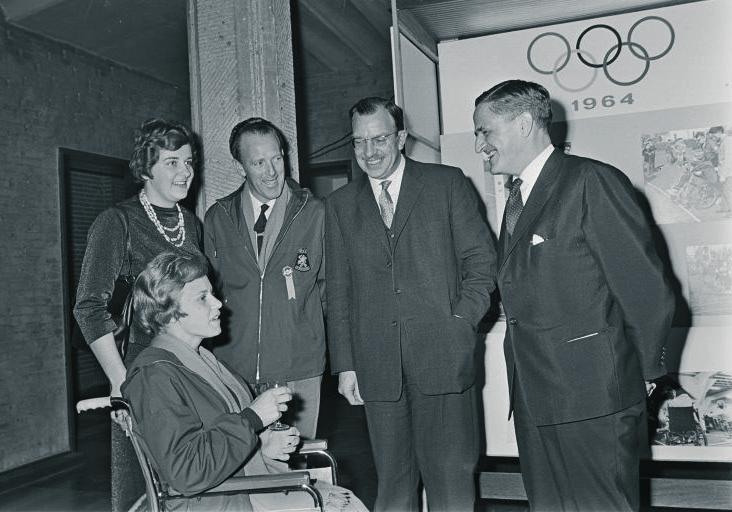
706	196
700	195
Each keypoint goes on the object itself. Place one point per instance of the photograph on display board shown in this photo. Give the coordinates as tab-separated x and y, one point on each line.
685	174
692	409
709	269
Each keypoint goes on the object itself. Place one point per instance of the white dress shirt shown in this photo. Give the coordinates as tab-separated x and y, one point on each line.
257	206
531	173
394	187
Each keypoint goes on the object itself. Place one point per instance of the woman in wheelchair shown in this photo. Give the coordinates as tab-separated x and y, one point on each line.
196	419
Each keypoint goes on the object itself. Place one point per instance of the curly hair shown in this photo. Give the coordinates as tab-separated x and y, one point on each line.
157	288
154	135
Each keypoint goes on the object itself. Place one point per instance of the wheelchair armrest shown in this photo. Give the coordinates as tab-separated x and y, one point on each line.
263	483
320	447
313	445
291	481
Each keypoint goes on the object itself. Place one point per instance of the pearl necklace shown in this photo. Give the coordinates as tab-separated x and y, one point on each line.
177	240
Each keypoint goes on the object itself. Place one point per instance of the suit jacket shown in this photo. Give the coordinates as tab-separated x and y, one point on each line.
588	308
392	294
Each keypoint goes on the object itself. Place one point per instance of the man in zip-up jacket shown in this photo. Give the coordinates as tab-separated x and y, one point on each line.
265	245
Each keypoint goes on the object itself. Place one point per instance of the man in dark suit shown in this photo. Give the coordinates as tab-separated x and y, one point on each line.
587	307
410	269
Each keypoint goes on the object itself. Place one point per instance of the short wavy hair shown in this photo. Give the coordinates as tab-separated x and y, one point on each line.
157	289
254	126
514	97
154	135
370	105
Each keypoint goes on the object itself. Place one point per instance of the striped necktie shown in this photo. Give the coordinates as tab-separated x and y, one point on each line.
386	205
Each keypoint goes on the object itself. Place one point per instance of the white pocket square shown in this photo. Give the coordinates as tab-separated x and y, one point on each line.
536	239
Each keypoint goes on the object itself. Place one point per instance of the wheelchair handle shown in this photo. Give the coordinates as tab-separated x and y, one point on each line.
102	402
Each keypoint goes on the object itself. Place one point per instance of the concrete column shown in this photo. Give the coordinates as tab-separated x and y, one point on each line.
240	66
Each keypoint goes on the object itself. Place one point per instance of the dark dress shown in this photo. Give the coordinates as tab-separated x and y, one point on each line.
104	260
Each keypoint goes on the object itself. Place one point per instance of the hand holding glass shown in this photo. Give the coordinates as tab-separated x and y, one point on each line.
270	402
277	425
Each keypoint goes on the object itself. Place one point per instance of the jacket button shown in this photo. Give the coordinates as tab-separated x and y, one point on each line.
388	264
394	323
398	291
512	321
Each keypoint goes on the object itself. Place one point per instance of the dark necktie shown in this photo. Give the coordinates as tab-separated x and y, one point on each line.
259	227
386	205
514	206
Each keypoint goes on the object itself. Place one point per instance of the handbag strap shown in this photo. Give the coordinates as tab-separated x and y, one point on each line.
126	324
123	330
127	275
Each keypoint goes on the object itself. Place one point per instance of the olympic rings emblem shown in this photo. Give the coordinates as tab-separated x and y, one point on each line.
636	49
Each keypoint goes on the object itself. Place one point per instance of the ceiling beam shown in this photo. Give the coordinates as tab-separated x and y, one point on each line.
359	38
312	57
409	4
322	44
377	13
16	10
418	34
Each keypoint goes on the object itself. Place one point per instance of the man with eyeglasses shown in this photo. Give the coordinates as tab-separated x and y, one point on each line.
411	266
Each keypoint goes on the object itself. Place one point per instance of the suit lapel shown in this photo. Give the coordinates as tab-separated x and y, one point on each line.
502	239
409	192
368	211
239	221
541	192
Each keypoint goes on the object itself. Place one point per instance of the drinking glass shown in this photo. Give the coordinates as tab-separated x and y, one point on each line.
277	425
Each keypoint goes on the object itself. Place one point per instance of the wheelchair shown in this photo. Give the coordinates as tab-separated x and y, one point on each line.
157	493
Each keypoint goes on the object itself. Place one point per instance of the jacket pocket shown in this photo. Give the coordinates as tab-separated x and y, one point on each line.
585	337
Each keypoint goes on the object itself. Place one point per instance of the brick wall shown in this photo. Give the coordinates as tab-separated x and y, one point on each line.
327	98
51	95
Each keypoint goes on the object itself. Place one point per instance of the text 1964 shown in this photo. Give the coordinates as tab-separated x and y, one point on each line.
608	101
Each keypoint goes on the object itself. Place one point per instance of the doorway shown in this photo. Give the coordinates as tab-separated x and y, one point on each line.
90	184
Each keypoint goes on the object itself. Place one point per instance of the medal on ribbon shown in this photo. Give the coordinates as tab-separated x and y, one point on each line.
289	282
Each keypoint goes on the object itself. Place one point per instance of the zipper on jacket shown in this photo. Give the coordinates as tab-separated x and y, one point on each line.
259	323
261	285
261	279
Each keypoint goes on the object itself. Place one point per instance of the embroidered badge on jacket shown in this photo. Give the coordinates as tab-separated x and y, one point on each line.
303	262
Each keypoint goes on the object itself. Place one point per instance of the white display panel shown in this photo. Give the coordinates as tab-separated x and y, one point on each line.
420	102
653	113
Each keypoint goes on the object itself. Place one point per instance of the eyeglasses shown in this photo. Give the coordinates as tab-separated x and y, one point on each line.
379	141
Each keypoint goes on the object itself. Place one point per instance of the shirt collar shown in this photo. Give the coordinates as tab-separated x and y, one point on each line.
257	205
531	172
396	182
